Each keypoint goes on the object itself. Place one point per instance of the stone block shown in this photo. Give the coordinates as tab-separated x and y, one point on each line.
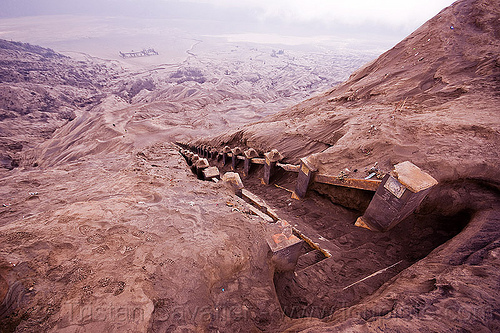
399	194
233	179
211	173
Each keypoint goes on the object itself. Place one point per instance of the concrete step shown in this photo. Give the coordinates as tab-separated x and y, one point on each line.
308	259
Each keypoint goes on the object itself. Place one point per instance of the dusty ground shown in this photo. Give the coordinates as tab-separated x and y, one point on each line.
131	243
104	228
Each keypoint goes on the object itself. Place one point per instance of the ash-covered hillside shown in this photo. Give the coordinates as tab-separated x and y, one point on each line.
98	210
41	90
212	90
432	98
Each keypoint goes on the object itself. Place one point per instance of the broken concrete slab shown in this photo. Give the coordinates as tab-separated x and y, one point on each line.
412	177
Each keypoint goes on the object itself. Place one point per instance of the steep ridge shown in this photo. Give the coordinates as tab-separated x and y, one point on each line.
433	98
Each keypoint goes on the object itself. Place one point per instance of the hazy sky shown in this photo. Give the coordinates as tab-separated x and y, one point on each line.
396	17
407	14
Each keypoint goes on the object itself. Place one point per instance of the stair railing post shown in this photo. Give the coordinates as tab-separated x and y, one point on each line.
272	158
234	161
226	150
305	176
249	154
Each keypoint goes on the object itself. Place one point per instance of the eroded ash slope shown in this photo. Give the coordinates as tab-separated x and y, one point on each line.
41	90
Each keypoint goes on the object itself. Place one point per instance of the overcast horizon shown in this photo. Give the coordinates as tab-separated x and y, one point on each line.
295	17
